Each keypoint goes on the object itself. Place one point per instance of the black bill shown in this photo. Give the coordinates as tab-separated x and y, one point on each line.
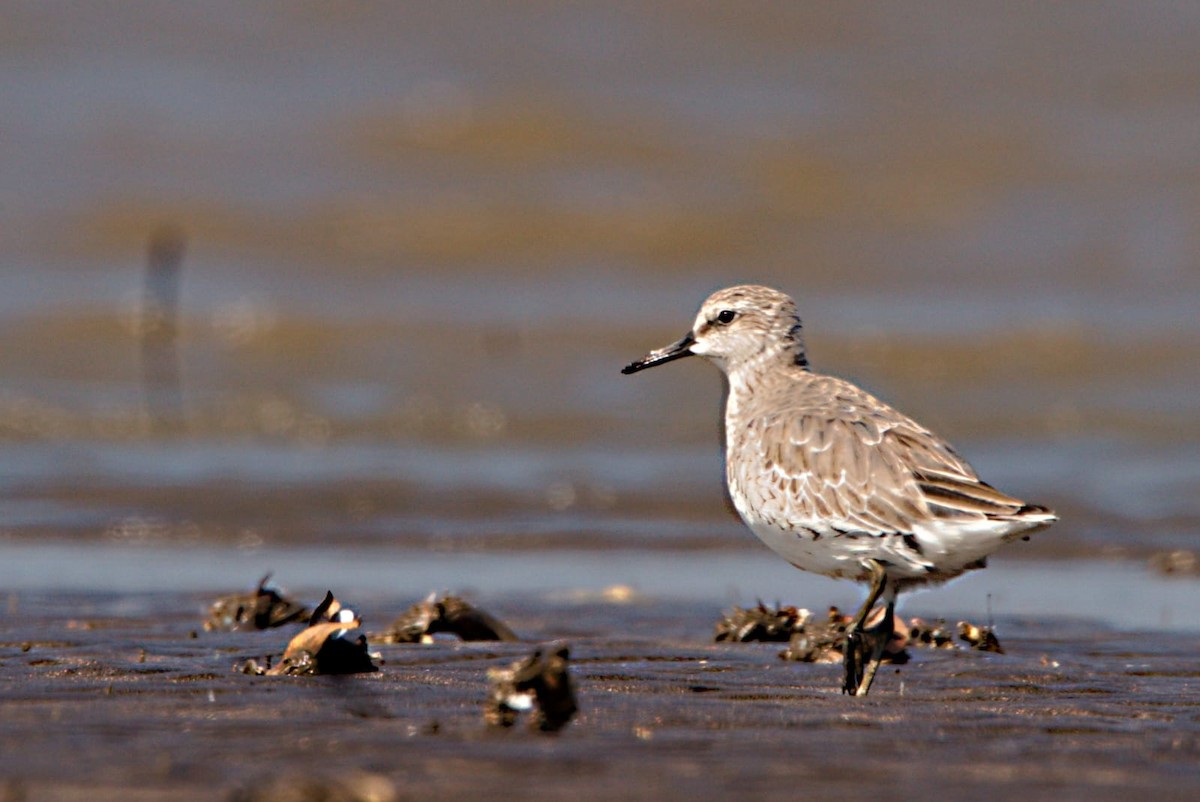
676	350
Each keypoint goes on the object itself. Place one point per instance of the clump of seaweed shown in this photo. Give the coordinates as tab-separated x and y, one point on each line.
824	641
331	644
539	683
761	624
813	639
263	608
448	614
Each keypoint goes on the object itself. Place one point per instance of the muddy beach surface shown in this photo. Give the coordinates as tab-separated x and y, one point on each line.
123	697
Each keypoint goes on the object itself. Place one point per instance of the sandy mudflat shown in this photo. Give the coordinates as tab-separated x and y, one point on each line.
109	697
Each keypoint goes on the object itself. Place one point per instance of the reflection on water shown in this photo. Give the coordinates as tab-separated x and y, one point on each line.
1120	596
507	496
159	330
422	241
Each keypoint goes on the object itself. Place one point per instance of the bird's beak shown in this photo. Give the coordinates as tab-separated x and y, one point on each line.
676	350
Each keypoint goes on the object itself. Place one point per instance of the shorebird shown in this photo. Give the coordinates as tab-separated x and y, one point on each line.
833	479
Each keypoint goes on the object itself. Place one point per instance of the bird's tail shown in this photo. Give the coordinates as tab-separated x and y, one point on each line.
1031	518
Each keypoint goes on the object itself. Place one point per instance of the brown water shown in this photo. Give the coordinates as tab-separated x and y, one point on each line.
421	242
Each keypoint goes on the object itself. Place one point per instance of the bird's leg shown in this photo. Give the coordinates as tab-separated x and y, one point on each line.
882	634
852	661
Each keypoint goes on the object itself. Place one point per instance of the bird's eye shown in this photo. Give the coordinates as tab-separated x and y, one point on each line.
726	316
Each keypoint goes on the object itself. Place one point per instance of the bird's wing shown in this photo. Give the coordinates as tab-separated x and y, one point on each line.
859	464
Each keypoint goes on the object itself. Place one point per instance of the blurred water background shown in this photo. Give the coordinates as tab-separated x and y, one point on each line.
334	283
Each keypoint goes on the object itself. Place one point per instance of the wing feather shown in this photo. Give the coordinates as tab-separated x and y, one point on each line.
852	461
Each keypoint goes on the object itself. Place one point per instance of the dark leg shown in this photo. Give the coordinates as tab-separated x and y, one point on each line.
853	661
881	633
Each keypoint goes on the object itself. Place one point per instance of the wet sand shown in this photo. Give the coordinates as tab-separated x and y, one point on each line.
126	697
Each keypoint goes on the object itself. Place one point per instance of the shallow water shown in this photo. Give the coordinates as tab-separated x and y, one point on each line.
1087	593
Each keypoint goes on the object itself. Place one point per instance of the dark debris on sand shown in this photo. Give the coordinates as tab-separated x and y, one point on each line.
450	615
938	634
930	634
822	640
263	608
331	644
539	683
981	639
760	624
814	639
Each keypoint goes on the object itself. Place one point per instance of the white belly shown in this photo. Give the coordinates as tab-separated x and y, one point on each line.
946	549
811	545
828	555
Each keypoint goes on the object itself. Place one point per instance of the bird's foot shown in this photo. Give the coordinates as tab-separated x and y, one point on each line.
852	661
863	653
